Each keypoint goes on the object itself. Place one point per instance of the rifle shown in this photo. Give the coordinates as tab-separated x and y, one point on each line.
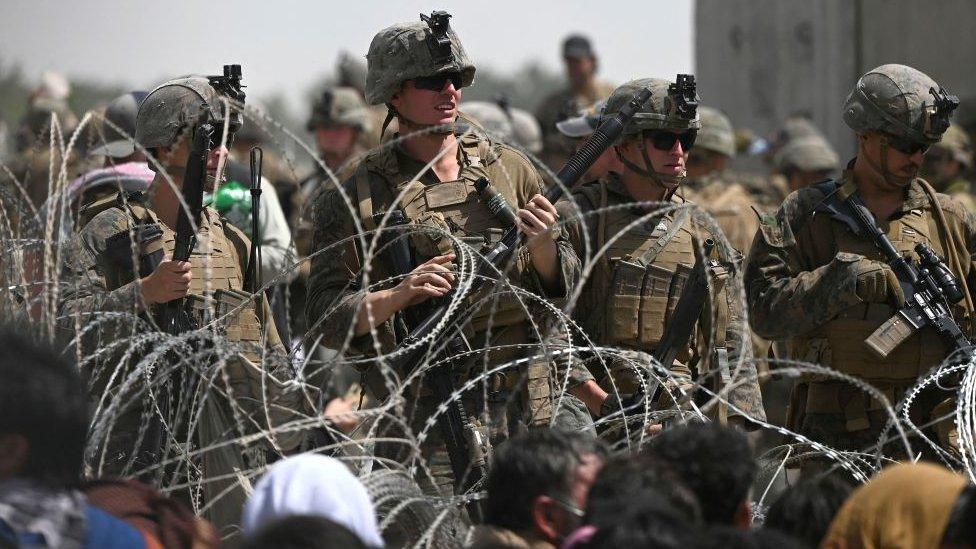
462	440
930	288
575	167
174	318
681	324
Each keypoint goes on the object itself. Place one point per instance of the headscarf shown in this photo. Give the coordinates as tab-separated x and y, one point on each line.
311	484
904	506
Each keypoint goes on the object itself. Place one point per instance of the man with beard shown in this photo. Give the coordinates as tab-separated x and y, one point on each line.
813	281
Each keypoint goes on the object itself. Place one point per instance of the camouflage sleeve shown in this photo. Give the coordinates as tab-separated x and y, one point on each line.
571	229
531	184
962	223
335	289
745	394
787	298
85	273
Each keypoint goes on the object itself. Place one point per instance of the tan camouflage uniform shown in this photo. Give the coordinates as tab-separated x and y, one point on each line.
615	312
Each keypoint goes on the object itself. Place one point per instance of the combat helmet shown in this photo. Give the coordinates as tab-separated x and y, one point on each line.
506	123
716	132
672	106
960	147
413	50
340	106
902	102
176	106
810	153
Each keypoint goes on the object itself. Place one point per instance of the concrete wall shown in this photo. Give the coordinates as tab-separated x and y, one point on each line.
763	60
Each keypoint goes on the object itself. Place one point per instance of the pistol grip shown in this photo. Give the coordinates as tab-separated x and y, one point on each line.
890	335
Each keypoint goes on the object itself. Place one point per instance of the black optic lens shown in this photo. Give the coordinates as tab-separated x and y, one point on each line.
664	140
906	146
437	82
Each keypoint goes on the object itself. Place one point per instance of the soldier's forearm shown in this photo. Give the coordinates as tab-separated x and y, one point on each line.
788	306
545	260
378	307
93	300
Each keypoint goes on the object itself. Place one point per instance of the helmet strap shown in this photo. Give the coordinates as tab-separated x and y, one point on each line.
391	112
669	183
882	166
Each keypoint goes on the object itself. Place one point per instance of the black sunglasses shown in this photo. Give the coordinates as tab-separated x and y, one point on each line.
906	146
438	81
664	140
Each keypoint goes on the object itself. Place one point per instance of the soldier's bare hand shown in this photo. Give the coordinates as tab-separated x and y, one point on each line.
170	280
342	413
537	217
429	279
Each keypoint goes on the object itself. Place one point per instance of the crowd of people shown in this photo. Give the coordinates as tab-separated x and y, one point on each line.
442	337
691	486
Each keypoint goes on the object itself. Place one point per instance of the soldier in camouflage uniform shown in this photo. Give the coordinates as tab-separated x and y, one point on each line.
631	292
584	89
716	188
814	282
806	160
119	262
418	69
507	124
949	164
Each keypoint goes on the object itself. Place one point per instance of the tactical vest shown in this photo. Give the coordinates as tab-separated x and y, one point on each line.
217	285
645	267
437	212
840	343
448	209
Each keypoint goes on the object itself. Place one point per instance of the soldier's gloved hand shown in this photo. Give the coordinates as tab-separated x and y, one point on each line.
877	283
170	280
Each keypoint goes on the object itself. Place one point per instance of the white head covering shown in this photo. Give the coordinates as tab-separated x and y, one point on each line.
311	484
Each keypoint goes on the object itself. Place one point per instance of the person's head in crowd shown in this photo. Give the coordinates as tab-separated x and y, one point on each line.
715	144
797	126
303	532
805	510
636	501
907	505
580	128
164	519
506	123
312	484
726	537
43	413
538	483
805	161
716	463
117	146
580	61
338	118
949	159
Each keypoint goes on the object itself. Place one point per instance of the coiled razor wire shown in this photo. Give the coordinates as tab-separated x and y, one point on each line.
136	364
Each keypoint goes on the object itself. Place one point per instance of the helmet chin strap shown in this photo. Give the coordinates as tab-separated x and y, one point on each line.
882	167
391	112
669	183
